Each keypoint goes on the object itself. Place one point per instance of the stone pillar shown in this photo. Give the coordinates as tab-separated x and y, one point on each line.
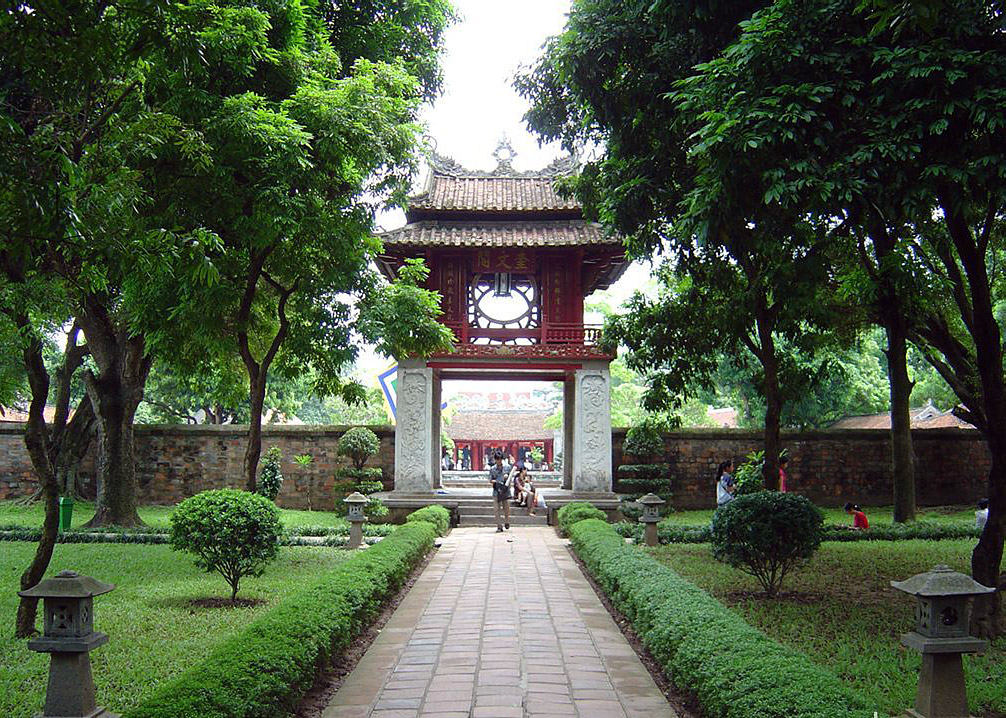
592	431
435	425
568	420
415	468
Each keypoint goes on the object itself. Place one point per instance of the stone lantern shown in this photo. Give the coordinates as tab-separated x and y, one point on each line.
942	617
68	635
651	515
356	501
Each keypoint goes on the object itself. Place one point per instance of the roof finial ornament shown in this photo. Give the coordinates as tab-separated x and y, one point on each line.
504	155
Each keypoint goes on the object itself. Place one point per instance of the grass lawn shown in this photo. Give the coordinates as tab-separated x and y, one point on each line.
157	517
878	515
841	611
154	632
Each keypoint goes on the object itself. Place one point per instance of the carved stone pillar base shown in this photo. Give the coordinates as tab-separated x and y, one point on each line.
592	430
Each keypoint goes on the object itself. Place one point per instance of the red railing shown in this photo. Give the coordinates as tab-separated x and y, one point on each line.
553	333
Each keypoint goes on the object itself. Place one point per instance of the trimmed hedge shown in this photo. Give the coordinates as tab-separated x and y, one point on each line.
651	472
668	533
577	511
334	535
265	670
439	516
734	670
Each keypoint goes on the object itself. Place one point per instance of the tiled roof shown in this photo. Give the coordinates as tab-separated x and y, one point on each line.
920	419
491	194
501	425
499	234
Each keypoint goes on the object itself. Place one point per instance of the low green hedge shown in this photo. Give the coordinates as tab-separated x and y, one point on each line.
439	516
651	472
668	533
577	511
265	670
734	670
334	535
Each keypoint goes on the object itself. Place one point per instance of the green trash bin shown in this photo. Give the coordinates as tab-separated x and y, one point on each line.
65	513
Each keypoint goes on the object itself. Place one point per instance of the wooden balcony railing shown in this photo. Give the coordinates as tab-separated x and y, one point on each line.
553	333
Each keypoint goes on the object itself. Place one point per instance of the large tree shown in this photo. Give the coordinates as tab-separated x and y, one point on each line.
898	134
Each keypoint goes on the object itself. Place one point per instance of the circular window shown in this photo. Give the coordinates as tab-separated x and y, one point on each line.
504	302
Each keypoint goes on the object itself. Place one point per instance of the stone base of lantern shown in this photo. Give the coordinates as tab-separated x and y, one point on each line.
355	534
650	534
941	691
71	688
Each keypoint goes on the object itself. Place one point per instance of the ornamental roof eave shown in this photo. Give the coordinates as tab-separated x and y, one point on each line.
487	233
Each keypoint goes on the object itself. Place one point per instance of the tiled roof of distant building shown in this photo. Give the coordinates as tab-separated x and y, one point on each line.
500	425
925	417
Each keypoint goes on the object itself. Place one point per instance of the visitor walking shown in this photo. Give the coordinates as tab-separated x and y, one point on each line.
859	520
501	491
725	484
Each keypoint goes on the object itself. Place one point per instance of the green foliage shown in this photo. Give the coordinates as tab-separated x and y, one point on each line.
644	441
577	511
732	669
537	455
767	534
359	444
748	475
367	487
234	533
270	478
266	669
439	516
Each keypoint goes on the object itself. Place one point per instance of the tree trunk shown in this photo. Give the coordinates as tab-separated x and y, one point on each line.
36	440
253	451
115	393
986	560
902	454
773	395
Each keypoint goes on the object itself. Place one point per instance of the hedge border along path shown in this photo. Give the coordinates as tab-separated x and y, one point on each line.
734	670
264	671
668	533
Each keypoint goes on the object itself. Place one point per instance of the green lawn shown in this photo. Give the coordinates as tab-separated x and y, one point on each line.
841	612
878	515
154	632
157	517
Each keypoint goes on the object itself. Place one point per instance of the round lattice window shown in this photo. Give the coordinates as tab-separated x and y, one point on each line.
503	302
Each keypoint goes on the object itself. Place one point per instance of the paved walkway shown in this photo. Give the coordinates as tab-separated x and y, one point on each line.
498	628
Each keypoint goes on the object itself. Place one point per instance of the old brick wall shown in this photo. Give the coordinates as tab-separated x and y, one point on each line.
829	466
174	462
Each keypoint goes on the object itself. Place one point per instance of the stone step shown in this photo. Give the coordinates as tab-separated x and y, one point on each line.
515	520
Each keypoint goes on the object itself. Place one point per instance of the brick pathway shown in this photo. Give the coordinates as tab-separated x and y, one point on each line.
500	629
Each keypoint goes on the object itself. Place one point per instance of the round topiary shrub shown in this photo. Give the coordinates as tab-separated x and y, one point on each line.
767	534
270	478
235	533
644	441
359	444
577	511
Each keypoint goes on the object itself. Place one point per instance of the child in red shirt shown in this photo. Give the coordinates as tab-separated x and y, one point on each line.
859	521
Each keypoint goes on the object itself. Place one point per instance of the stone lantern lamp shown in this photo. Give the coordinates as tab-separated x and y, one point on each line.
942	617
68	635
356	501
651	515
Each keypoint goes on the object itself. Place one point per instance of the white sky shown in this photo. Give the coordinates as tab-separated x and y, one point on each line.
484	51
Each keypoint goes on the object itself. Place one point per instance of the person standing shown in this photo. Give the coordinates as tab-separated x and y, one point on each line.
725	484
982	514
783	465
501	491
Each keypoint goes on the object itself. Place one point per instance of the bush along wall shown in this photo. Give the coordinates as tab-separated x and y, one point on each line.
734	670
668	533
265	670
438	516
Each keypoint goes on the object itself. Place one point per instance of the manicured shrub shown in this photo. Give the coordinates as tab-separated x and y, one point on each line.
270	479
577	511
359	444
644	441
732	669
766	534
748	474
235	533
439	516
265	670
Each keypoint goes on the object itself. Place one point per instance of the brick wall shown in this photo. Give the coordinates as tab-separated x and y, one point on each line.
174	462
829	466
